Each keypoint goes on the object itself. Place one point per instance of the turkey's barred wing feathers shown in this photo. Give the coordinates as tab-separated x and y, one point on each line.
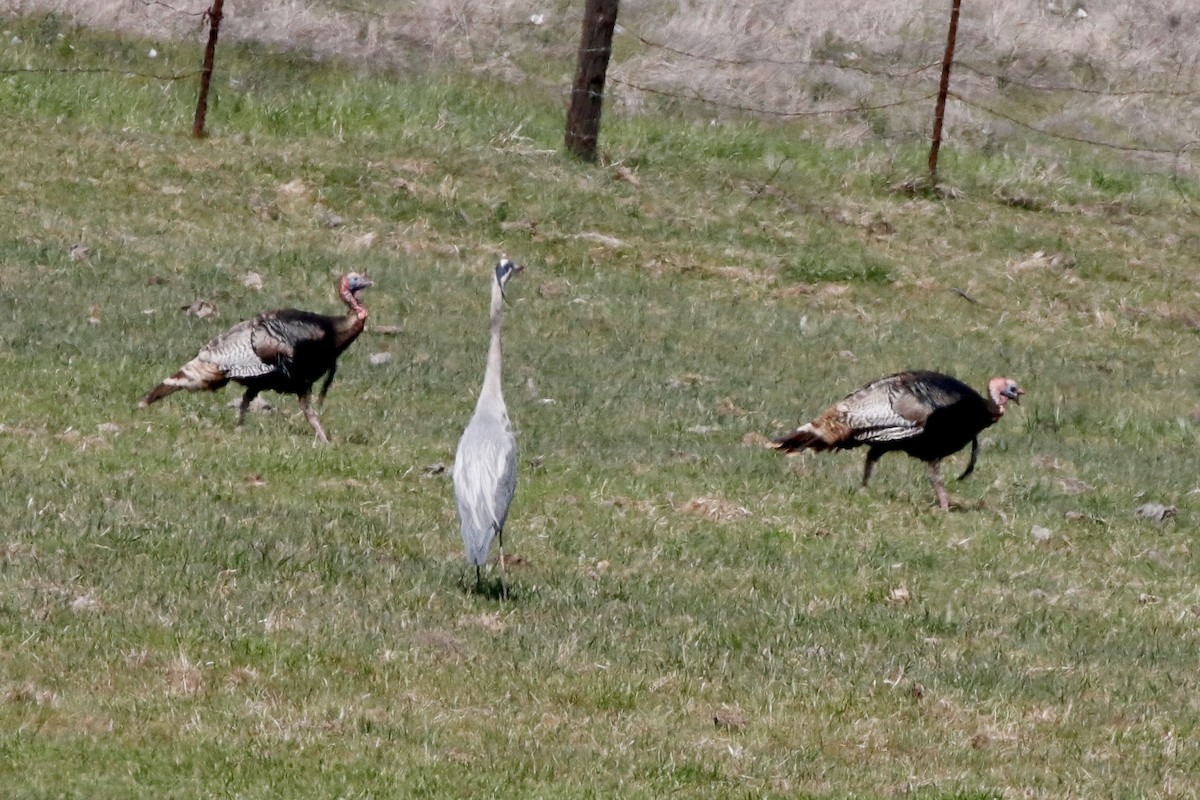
879	434
882	411
233	353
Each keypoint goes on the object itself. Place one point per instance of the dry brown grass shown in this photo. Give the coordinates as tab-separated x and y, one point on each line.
781	57
855	71
757	52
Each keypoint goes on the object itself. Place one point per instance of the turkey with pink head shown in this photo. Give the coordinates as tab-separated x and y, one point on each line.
286	351
925	414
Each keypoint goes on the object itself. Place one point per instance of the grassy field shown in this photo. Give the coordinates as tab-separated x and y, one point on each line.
189	611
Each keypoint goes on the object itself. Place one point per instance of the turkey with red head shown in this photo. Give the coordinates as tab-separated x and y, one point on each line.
925	414
286	351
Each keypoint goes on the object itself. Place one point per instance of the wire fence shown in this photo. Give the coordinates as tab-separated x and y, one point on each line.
1139	97
1011	98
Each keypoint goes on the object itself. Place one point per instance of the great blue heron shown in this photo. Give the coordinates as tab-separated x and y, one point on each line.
485	466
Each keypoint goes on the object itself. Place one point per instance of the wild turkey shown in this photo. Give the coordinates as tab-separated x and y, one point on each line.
925	414
286	351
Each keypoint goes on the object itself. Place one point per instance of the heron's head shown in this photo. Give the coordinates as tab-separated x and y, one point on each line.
1004	389
505	270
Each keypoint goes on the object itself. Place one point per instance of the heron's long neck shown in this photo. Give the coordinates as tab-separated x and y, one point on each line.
492	392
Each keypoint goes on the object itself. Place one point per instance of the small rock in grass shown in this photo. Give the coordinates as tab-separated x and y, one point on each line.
1155	511
85	603
729	718
201	308
256	405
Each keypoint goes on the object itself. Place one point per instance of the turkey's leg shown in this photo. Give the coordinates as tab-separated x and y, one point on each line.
247	398
311	416
873	455
936	478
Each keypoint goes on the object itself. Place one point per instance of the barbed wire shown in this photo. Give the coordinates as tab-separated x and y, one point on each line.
170	7
780	62
769	111
1057	135
1052	87
848	110
850	66
834	63
98	70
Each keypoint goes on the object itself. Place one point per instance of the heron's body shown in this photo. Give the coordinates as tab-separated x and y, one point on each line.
485	465
485	478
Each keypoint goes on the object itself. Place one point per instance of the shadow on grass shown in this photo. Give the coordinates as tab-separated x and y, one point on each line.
490	587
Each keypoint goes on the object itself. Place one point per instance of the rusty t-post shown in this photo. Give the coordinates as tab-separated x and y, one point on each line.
214	25
587	96
939	114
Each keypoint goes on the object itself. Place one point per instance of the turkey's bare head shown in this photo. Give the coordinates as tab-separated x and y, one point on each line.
351	284
1001	390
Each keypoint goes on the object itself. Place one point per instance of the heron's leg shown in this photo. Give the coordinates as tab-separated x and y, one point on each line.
311	416
873	455
503	572
247	398
971	464
936	478
478	578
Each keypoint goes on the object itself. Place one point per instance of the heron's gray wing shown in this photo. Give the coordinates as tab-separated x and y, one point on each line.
485	478
506	485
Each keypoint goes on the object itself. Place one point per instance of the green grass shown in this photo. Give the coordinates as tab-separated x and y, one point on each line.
191	611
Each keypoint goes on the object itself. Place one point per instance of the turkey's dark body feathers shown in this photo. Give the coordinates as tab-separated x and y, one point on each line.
927	415
299	346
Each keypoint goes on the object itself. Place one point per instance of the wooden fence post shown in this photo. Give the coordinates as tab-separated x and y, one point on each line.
210	51
587	96
939	113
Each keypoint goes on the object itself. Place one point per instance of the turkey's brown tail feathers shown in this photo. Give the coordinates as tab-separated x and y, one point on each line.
194	376
807	437
157	393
